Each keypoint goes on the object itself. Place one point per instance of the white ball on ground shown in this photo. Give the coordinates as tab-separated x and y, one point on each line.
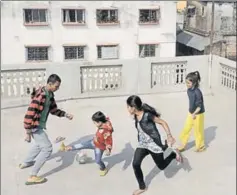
81	158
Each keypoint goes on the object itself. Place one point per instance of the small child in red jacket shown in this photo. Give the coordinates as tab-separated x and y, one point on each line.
102	141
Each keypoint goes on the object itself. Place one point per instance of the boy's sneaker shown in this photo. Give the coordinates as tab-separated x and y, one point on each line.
103	172
32	180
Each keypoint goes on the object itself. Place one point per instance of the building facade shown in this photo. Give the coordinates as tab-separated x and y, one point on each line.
195	38
48	31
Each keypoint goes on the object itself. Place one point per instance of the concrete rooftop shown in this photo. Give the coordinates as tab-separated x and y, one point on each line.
211	172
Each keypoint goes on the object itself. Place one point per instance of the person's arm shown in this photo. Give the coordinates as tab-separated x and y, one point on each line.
165	126
198	102
31	112
108	140
55	111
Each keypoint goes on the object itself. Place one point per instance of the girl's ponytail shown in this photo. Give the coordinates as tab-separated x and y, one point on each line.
147	108
198	76
195	78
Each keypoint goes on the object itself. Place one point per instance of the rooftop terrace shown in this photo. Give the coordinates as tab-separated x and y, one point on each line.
161	84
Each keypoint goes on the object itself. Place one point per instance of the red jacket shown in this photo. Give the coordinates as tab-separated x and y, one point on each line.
103	137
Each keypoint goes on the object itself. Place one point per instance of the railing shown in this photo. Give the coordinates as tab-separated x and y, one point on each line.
228	77
168	74
224	75
20	83
101	78
115	78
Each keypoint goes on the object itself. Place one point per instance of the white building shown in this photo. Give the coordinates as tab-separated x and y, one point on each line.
59	31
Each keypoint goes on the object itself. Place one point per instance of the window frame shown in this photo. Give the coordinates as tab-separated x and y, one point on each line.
158	14
107	23
38	46
77	46
46	23
107	45
147	44
74	23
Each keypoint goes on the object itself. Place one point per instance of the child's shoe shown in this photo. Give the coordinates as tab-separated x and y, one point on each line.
181	148
35	180
62	147
26	165
103	172
202	149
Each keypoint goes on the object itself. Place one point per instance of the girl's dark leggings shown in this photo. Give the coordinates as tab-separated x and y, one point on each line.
158	158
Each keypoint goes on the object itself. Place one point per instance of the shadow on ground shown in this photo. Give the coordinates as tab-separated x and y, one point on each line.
67	158
210	134
126	156
173	168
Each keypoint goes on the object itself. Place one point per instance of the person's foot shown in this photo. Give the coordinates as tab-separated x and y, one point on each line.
68	148
201	149
181	148
26	165
62	147
139	191
32	180
103	172
179	157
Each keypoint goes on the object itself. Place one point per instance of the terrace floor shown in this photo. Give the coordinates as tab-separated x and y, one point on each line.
210	172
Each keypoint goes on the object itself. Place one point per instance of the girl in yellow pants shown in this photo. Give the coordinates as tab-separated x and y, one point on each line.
196	113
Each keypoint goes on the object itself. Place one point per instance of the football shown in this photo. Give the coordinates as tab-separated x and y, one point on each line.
81	157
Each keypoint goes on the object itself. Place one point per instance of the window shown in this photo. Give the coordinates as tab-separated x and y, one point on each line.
75	16
74	52
107	51
107	16
32	16
37	53
147	50
149	16
191	11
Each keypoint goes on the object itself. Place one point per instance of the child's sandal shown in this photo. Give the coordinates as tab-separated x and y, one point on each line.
203	148
181	149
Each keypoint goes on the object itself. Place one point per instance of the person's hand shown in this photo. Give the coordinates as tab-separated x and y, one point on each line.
170	140
194	116
28	138
69	116
107	152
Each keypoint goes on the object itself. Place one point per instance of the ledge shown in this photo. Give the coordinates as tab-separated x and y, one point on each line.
108	24
73	24
37	24
148	23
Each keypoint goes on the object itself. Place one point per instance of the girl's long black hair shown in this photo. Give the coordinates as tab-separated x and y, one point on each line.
195	78
136	102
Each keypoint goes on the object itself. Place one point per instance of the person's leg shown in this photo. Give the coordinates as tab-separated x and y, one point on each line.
46	150
162	163
139	155
29	160
185	134
84	145
32	154
99	162
199	132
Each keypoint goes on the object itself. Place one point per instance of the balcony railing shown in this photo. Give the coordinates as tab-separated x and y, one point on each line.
117	77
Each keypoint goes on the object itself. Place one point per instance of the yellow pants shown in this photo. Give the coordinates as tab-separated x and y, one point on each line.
198	125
